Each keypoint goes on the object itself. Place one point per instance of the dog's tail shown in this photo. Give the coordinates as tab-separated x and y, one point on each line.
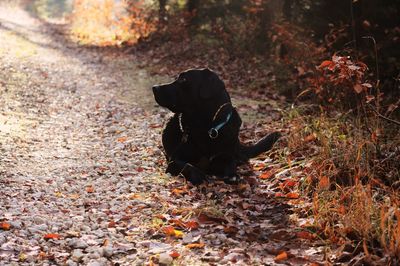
261	146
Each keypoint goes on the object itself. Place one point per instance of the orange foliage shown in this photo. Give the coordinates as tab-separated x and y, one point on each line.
108	23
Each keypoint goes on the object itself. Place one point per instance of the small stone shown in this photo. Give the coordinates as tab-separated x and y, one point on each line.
2	240
95	263
38	228
16	224
77	255
38	220
77	243
107	251
71	263
165	259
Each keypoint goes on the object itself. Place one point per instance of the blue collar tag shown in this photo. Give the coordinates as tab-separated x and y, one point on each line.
214	131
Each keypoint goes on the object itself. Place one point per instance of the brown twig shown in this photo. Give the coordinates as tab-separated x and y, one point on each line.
383	117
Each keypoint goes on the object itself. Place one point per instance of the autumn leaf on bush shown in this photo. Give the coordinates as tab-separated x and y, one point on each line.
195	245
51	236
326	63
5	226
358	88
281	256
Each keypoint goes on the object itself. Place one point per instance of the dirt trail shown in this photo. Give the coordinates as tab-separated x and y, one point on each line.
81	172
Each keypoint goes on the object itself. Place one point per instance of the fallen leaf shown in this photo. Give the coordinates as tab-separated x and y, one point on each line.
111	224
205	219
179	191
195	245
281	256
171	231
305	235
310	137
89	189
122	139
5	226
134	196
324	183
192	225
267	174
174	254
292	195
279	195
288	183
178	222
230	229
51	236
259	167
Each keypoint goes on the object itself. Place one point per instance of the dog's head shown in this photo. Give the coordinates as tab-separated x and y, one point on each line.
190	90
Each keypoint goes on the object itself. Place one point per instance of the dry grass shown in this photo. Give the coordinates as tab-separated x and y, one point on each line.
353	200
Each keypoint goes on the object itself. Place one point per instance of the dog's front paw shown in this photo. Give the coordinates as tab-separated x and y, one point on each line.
193	174
173	168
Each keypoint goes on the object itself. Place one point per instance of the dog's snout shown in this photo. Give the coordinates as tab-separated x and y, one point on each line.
156	88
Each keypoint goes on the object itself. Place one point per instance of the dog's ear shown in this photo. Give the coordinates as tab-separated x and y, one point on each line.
212	84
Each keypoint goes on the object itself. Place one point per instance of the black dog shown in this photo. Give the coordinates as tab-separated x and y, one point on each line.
202	137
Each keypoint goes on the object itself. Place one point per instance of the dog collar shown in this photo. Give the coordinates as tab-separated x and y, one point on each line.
214	131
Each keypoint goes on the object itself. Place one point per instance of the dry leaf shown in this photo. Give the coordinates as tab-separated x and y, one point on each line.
230	229
281	256
195	245
122	139
89	189
192	225
325	63
324	183
174	254
358	88
305	235
292	195
179	191
267	174
171	231
51	236
279	195
310	137
111	224
5	226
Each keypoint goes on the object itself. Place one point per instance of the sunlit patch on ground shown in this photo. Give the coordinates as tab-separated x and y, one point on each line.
108	22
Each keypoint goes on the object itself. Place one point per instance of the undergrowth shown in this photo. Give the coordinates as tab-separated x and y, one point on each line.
355	203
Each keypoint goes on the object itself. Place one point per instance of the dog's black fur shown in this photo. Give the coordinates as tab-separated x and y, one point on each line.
200	102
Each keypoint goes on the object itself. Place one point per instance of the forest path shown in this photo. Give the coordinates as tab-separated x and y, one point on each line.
81	168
